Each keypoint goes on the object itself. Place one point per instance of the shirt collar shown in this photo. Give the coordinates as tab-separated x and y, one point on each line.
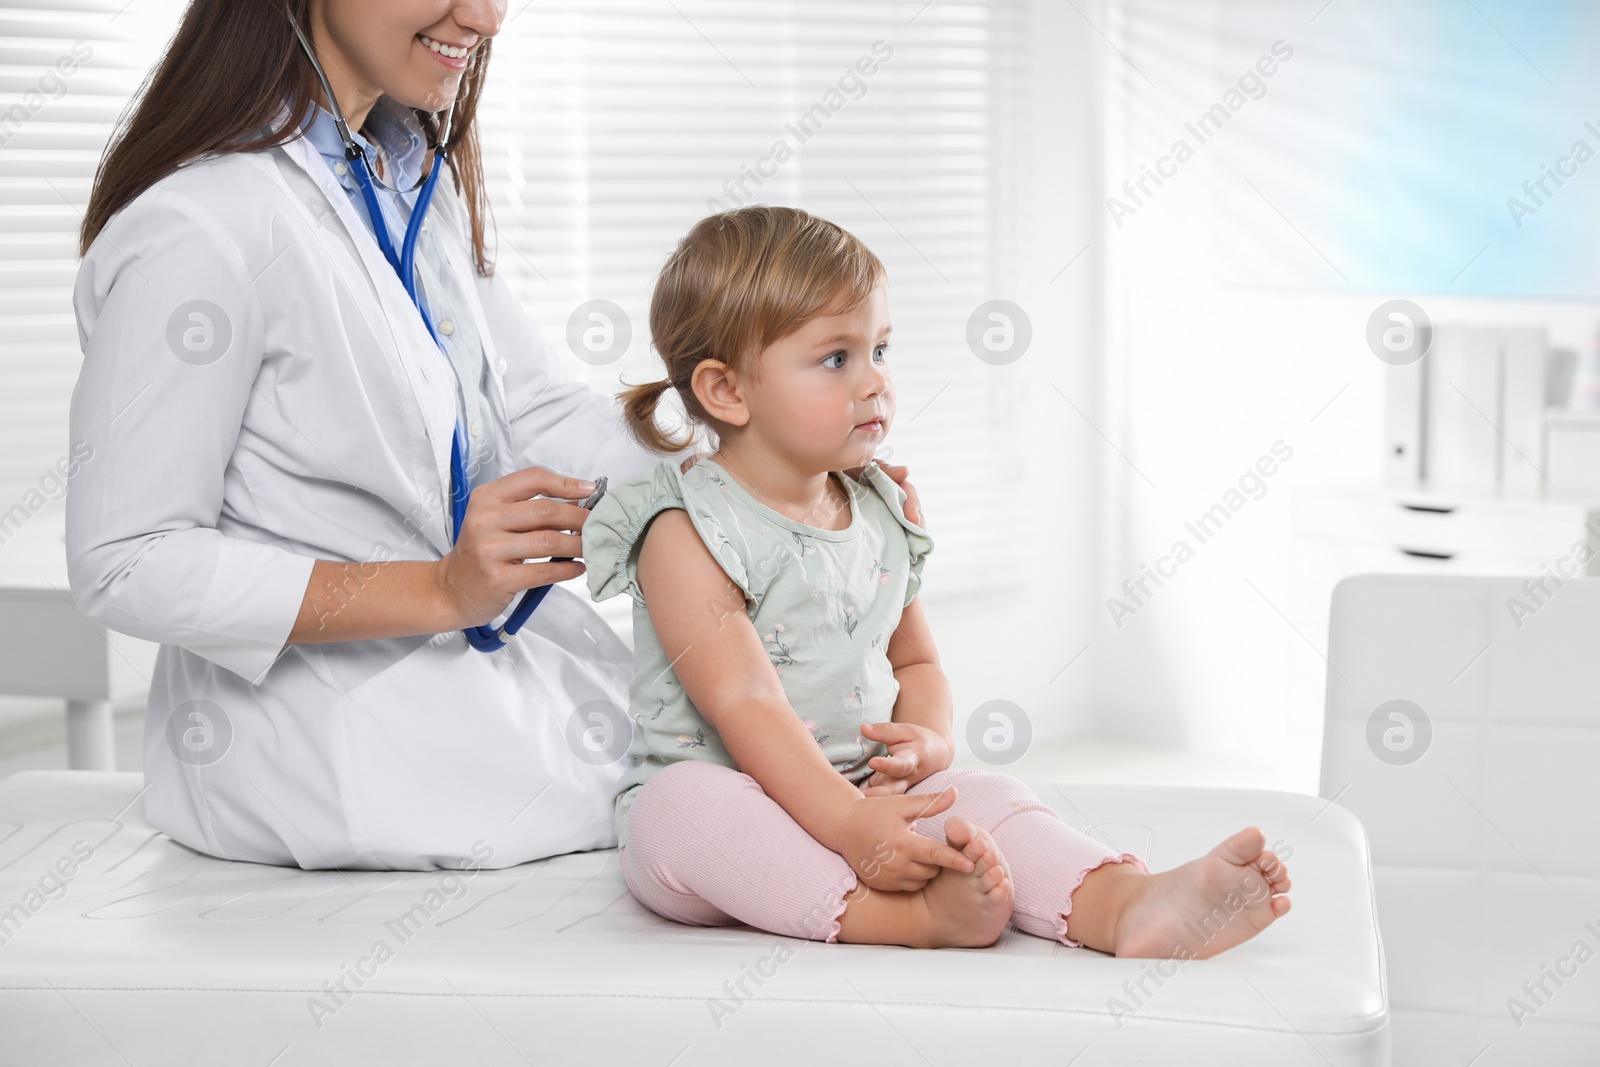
395	129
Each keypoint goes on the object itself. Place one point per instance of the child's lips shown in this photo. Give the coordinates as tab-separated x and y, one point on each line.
874	426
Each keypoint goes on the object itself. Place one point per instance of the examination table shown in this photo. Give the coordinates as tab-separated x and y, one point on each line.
154	954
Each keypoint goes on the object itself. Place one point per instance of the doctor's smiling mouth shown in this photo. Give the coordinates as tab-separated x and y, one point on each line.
422	69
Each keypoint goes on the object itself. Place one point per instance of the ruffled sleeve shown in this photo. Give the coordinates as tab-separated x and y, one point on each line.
615	529
917	539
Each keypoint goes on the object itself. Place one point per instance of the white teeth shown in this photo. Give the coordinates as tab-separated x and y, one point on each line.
443	49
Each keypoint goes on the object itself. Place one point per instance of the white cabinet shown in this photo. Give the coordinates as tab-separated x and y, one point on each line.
1346	530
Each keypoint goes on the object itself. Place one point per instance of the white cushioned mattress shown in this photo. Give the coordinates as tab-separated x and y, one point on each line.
119	946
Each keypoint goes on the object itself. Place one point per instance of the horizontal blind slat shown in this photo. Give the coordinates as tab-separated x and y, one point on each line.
608	127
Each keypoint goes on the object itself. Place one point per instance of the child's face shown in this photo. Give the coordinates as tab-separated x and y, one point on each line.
823	396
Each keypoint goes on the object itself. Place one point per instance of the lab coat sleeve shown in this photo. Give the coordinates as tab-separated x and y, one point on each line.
557	422
171	332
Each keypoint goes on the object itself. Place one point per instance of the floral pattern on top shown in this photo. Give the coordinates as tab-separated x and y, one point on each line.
823	604
777	649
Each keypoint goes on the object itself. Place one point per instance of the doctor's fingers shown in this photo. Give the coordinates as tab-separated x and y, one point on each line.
900	475
536	481
545	513
539	544
534	575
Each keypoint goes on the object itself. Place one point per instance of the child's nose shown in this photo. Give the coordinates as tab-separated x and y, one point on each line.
876	380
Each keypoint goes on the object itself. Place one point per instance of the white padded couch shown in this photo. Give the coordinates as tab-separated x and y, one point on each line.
153	954
1483	810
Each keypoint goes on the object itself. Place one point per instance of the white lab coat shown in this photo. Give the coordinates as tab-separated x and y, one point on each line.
307	414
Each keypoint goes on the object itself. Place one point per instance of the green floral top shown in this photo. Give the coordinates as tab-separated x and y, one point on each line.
825	603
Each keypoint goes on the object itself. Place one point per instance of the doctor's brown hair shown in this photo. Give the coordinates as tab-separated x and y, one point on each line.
222	79
737	282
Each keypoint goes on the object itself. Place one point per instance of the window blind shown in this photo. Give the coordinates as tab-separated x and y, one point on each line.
67	68
608	128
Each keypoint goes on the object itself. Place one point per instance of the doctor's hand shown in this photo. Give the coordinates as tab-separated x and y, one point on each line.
900	475
505	525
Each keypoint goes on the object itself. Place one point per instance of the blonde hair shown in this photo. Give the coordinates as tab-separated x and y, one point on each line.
737	282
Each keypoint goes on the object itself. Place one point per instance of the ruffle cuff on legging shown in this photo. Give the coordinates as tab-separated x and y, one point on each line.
1061	917
821	922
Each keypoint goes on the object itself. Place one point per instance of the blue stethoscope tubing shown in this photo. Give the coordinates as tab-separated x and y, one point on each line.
483	638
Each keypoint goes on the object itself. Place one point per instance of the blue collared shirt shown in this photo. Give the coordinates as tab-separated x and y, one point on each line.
405	152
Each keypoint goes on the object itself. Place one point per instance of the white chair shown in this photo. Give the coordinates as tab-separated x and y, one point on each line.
1463	728
49	649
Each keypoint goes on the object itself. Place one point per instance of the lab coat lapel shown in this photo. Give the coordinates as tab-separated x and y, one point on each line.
426	371
452	253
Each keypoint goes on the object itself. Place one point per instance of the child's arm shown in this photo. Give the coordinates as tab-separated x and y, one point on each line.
699	617
919	736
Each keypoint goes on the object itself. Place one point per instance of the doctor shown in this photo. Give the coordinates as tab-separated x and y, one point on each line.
272	423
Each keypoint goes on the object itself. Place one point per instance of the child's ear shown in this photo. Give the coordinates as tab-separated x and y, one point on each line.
720	392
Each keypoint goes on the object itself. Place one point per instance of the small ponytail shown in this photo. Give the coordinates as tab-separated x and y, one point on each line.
639	403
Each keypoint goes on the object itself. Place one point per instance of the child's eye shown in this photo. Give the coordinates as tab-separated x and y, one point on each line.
827	361
879	353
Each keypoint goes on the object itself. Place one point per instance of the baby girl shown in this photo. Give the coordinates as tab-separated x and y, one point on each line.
791	766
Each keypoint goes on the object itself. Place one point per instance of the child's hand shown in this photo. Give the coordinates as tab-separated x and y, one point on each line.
886	853
914	753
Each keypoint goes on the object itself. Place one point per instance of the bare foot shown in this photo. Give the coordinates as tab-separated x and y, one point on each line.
969	910
1207	905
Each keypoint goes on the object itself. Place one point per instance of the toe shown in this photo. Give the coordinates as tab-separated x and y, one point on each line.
1243	847
986	855
980	846
1280	907
959	833
994	877
1272	869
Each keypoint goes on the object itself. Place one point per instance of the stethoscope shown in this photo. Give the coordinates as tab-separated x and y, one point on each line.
483	638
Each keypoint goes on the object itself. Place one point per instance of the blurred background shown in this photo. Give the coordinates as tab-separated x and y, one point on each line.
1199	306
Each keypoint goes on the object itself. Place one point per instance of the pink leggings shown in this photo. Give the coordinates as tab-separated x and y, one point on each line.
706	846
